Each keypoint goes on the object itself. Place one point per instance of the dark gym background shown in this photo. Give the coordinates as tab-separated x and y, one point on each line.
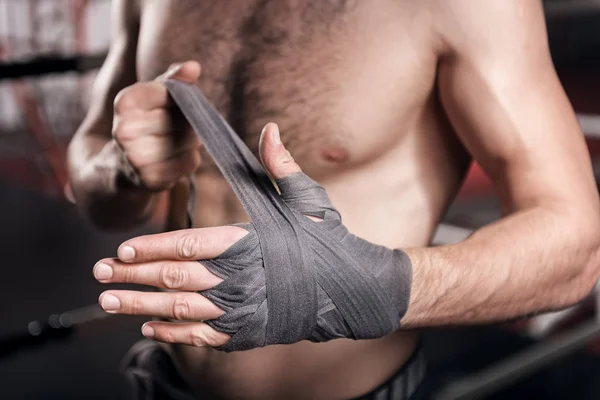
48	250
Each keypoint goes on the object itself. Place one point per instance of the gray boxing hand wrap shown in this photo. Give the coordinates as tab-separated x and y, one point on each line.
384	276
291	278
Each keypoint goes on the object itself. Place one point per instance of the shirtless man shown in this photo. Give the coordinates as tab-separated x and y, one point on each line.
384	103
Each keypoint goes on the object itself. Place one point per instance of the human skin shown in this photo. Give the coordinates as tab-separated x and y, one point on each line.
387	126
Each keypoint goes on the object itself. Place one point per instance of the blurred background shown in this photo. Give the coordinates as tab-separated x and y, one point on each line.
50	51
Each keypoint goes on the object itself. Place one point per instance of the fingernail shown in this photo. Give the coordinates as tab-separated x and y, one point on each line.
103	272
126	253
275	134
173	70
147	331
264	129
110	303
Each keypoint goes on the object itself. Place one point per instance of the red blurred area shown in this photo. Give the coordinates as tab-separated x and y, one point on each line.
477	183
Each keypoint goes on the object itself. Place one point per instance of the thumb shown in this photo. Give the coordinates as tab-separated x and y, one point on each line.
278	162
188	71
298	191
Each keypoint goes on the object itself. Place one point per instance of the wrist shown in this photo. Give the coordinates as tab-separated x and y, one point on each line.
108	174
120	175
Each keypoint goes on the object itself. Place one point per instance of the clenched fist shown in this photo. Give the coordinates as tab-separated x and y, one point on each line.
158	146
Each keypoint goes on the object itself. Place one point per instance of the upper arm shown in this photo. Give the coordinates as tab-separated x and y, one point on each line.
503	97
117	72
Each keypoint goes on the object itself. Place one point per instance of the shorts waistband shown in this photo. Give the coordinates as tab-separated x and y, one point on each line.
406	383
151	374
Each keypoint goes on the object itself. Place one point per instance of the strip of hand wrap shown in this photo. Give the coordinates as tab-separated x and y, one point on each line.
290	278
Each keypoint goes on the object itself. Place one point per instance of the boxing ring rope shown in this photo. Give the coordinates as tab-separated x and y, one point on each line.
45	331
449	234
50	64
520	365
590	124
571	7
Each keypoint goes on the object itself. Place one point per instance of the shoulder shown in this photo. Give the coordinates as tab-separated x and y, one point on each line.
466	26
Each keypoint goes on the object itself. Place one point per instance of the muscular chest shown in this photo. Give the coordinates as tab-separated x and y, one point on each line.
340	77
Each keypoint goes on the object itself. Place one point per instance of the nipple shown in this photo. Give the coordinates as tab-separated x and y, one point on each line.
335	154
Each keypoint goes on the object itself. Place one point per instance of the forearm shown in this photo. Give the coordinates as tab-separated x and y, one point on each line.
532	261
101	186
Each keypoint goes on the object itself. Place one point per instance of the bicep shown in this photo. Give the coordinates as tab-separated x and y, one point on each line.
118	71
503	97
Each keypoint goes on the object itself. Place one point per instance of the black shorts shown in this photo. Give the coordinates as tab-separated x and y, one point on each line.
151	375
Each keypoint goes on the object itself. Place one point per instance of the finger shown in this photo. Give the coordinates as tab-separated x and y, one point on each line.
298	191
152	150
188	71
153	134
174	275
186	244
141	96
172	305
196	334
145	123
153	94
273	154
166	174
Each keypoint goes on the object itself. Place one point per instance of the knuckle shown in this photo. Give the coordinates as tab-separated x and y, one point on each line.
134	158
118	128
181	308
154	176
197	337
136	305
128	98
162	116
124	99
151	180
123	131
188	245
173	276
169	337
206	336
127	274
194	160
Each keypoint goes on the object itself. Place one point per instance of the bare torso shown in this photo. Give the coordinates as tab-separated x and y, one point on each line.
352	86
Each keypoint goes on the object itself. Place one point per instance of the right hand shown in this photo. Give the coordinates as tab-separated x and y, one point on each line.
158	145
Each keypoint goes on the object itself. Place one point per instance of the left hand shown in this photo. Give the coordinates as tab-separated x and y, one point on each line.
169	261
